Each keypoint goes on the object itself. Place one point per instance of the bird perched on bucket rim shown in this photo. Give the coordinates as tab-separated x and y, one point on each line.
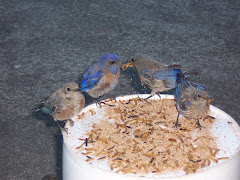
192	99
64	103
156	76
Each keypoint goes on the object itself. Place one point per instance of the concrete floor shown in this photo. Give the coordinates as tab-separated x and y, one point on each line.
45	44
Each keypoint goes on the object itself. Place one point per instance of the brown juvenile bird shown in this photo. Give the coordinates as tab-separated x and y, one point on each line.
192	99
156	76
64	103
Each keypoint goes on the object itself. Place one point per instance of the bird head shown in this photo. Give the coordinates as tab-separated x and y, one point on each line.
202	98
70	88
137	61
110	62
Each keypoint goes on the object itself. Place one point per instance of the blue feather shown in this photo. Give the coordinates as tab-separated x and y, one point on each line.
46	110
46	107
90	81
180	78
164	74
199	86
109	56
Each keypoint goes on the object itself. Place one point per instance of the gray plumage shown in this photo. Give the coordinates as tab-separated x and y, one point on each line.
192	99
156	76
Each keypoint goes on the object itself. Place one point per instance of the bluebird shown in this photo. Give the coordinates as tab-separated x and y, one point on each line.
64	103
156	76
192	99
102	76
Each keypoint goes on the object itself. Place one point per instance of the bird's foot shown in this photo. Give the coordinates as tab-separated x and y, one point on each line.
176	125
145	99
199	125
160	98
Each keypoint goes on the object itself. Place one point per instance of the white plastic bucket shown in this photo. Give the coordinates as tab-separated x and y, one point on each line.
225	128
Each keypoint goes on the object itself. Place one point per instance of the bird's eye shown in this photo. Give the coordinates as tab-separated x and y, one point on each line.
68	89
112	62
132	60
199	95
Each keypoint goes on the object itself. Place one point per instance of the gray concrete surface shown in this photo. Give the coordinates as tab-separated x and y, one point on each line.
45	44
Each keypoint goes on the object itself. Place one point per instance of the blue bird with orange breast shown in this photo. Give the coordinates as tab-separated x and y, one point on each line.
102	76
192	99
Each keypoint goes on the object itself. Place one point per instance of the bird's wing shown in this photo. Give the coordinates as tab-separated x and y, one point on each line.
185	102
197	85
46	107
166	75
182	84
91	77
54	103
166	72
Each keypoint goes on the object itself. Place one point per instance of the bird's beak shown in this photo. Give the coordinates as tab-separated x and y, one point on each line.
209	99
125	66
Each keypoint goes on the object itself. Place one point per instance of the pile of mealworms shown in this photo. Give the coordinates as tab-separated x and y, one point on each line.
138	136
